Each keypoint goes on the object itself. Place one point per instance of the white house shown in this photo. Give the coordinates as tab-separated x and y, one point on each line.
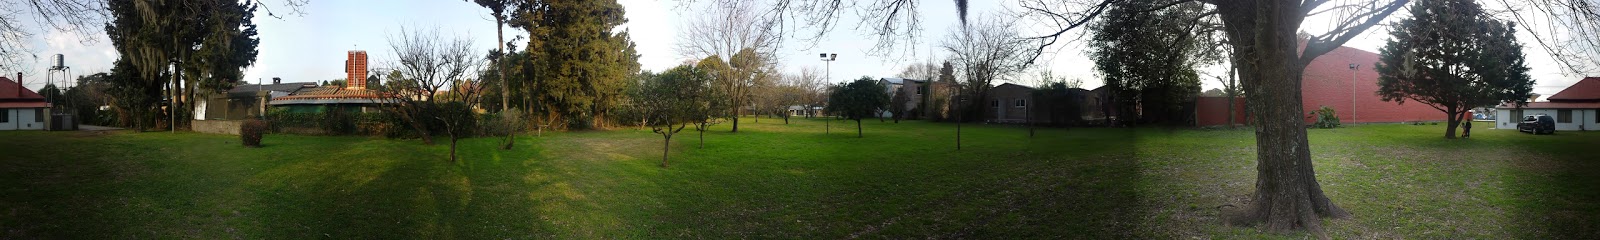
20	108
1574	108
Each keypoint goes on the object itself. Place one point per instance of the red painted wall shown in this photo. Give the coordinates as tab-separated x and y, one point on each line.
1213	111
1327	82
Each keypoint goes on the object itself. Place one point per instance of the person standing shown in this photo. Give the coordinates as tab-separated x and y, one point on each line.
1466	128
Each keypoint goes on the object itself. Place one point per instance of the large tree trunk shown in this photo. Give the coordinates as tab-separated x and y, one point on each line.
500	42
736	118
1453	119
1287	195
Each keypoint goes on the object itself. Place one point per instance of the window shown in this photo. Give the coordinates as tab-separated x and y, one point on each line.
38	115
5	115
994	103
1564	116
1021	103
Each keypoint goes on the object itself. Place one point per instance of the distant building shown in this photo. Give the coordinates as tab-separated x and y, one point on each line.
1574	108
1009	103
244	101
354	97
20	108
1343	79
912	88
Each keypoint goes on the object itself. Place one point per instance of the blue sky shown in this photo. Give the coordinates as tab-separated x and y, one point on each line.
312	46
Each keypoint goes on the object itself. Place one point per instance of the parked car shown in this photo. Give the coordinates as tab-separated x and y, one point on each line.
1538	124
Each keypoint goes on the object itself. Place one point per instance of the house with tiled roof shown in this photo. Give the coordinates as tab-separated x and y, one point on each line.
355	97
1574	108
20	108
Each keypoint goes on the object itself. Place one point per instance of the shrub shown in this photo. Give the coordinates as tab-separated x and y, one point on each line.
380	124
1326	118
250	132
282	118
501	124
335	121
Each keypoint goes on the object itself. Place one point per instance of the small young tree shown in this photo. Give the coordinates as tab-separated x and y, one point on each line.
897	105
672	100
425	64
1451	55
860	99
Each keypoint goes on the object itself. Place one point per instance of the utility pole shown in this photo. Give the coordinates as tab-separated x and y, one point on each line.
1353	91
827	59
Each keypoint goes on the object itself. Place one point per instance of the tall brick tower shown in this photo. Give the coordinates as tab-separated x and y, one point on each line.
356	68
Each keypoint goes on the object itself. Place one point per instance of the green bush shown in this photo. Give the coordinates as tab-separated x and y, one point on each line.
336	121
250	132
282	118
501	124
1326	118
380	124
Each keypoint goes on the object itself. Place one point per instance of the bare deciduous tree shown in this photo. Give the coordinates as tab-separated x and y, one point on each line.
427	63
986	51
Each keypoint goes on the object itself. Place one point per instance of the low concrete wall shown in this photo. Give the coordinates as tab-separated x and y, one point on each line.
230	127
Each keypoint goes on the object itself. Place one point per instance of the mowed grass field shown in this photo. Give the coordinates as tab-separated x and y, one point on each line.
776	180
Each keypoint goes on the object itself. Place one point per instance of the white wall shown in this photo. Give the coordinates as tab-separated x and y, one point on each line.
1581	119
21	119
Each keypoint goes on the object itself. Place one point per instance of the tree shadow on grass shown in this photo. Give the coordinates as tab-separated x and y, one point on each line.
354	194
906	180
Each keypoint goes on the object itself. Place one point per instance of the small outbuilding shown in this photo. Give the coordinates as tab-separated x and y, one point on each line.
1576	108
20	108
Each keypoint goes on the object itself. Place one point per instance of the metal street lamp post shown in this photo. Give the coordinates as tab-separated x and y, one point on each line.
827	59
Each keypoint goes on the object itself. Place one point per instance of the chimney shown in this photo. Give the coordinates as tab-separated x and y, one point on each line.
276	80
19	85
355	68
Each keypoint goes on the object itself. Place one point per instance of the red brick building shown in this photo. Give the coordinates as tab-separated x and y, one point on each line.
1345	80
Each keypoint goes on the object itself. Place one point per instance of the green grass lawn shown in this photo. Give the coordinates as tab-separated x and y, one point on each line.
775	180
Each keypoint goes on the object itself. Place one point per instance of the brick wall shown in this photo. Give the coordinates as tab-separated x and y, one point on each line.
356	69
1213	111
1327	82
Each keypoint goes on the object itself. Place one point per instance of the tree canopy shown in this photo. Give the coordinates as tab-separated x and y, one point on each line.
862	98
1450	55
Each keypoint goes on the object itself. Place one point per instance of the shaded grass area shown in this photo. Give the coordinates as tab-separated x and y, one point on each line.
775	180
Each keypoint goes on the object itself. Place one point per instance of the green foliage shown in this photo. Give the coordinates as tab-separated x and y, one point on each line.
1453	55
458	119
862	98
281	118
501	123
204	43
1136	53
580	62
676	97
250	132
336	121
1326	118
1062	104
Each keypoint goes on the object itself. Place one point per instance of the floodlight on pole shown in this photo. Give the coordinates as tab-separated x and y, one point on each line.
827	59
